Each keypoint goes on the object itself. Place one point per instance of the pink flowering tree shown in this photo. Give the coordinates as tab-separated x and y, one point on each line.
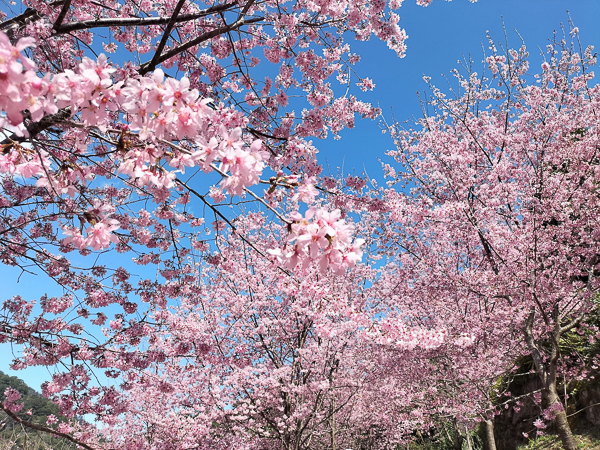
236	351
433	323
113	158
194	101
254	358
502	209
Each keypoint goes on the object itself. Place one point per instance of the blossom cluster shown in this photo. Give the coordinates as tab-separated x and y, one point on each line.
320	236
157	108
99	234
11	397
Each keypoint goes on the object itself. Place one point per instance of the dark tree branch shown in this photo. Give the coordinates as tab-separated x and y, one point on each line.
488	252
166	34
145	68
37	427
36	128
63	13
27	14
139	21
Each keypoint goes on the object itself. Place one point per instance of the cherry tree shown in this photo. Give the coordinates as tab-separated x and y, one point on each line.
196	99
437	324
503	181
115	156
236	351
253	358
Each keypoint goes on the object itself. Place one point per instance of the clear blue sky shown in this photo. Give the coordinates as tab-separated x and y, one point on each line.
439	35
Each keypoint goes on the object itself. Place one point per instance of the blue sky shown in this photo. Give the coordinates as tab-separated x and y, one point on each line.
439	36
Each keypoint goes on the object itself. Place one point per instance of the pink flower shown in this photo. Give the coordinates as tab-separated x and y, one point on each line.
314	239
206	153
11	396
178	92
99	236
307	192
366	85
74	238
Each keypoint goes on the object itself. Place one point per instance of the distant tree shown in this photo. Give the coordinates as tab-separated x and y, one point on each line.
500	230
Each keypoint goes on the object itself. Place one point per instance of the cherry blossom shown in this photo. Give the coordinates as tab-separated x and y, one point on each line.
500	217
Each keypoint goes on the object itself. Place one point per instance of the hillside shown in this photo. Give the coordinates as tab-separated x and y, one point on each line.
14	436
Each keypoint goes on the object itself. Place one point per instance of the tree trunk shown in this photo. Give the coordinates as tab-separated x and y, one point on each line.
458	438
547	369
469	440
561	422
490	440
333	430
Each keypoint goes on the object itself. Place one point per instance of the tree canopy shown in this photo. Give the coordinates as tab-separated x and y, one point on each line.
217	290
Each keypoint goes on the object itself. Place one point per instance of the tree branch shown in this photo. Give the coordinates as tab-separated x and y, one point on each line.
572	324
63	13
139	21
533	348
36	128
145	68
37	427
28	13
166	35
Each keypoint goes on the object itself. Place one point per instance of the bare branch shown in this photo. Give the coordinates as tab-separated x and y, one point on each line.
166	35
